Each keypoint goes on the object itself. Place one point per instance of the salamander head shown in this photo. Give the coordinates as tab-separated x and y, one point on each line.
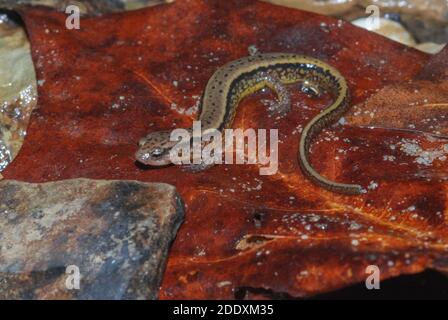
155	149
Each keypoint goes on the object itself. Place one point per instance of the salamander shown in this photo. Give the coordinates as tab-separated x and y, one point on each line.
240	78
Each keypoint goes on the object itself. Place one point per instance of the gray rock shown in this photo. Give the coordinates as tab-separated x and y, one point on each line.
116	232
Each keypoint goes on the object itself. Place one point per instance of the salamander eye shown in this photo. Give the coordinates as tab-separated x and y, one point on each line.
157	152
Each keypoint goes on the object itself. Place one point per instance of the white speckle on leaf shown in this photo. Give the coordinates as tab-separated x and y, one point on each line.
372	185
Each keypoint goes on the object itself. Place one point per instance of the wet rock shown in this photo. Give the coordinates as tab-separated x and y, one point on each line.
327	7
426	30
436	10
18	92
116	232
388	28
430	47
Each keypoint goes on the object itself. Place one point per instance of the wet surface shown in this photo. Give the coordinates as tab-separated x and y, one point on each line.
18	88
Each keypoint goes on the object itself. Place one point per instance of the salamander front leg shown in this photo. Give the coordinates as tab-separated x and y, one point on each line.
282	104
203	161
195	168
201	165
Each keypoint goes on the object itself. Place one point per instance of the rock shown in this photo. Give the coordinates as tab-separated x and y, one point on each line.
388	28
436	10
430	47
18	92
426	30
116	232
328	7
